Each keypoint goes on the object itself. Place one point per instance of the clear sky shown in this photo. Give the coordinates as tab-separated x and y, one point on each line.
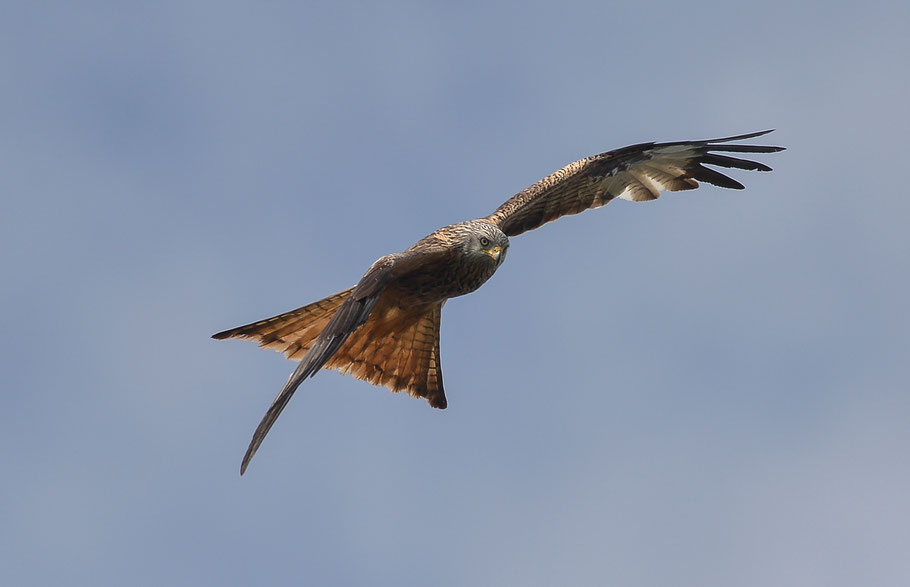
712	389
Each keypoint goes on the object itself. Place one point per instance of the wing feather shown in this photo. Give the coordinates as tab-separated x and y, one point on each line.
638	173
318	335
350	315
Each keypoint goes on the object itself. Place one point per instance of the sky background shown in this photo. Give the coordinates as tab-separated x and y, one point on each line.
712	389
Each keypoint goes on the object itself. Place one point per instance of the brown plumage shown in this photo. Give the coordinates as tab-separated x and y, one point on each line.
385	330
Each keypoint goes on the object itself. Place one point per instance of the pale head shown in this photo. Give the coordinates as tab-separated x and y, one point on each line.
481	240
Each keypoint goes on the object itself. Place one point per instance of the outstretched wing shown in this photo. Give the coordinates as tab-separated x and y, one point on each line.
636	173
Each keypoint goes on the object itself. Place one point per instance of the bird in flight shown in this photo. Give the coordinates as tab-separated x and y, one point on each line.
385	329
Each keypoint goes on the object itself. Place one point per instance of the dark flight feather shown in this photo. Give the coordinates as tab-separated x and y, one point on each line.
637	173
354	312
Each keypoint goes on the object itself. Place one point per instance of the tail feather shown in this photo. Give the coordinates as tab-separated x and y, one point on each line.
291	333
396	348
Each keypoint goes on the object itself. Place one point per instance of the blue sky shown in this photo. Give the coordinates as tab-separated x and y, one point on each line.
710	389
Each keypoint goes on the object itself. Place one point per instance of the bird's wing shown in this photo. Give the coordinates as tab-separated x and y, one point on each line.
350	315
636	173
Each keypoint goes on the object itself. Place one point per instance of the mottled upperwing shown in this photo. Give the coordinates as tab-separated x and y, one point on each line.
636	173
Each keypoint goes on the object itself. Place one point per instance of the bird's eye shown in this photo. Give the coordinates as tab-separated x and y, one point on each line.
484	241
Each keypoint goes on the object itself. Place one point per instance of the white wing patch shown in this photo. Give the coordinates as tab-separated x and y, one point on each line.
664	171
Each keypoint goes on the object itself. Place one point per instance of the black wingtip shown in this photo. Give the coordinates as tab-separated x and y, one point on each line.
719	144
743	137
265	425
257	439
223	334
716	144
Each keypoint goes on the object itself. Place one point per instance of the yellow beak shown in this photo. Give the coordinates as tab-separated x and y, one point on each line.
495	252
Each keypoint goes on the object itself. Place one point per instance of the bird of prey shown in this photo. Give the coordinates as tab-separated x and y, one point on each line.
385	329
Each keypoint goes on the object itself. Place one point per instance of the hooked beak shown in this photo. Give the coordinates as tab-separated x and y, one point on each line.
495	253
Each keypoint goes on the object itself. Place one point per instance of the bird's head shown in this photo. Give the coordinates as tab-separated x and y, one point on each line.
484	240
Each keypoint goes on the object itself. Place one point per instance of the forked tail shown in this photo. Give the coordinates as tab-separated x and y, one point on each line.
291	333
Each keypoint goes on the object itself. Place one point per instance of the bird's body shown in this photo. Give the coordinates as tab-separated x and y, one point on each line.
466	262
385	330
